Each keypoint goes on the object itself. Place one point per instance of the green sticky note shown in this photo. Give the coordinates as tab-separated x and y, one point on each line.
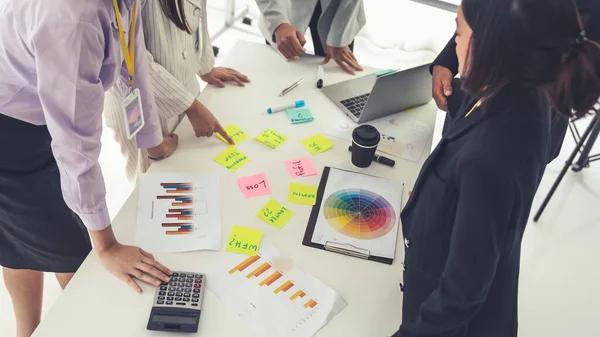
300	115
271	138
235	133
232	159
317	144
244	240
384	72
275	214
302	194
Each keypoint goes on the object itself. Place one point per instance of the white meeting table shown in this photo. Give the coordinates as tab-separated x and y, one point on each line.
97	304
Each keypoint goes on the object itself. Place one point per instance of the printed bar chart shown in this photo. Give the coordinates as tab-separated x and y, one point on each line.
247	262
284	287
310	304
258	271
269	280
298	294
181	214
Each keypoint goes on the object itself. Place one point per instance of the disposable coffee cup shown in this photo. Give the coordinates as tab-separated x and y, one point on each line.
365	139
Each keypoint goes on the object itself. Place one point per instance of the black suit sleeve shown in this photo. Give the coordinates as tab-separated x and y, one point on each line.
486	197
447	58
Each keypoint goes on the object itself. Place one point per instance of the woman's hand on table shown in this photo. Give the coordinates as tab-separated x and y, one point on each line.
219	75
165	149
204	123
130	263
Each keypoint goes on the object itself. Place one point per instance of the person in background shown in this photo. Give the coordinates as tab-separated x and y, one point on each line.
521	61
333	26
57	58
179	47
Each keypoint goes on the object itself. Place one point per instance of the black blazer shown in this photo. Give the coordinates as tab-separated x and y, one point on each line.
465	219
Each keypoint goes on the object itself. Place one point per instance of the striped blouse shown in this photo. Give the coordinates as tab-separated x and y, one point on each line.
175	59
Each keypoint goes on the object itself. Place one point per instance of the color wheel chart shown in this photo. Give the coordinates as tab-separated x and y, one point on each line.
359	213
252	267
181	208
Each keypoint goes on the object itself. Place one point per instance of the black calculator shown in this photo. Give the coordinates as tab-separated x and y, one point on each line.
177	304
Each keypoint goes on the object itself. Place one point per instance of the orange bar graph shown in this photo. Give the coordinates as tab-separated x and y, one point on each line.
264	267
180	190
297	294
185	218
175	204
245	264
178	232
284	287
269	280
310	304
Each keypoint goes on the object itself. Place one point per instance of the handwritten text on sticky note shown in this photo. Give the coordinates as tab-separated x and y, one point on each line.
235	133
301	167
254	186
317	144
299	116
302	194
271	138
244	240
275	214
232	159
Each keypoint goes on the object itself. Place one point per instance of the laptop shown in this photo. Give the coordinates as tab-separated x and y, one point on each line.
370	97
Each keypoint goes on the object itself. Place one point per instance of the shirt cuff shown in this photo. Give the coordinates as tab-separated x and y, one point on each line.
95	221
149	140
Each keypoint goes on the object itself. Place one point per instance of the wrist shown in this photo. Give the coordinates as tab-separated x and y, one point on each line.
103	239
158	152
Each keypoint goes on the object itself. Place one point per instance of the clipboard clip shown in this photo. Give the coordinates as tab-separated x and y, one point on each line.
347	249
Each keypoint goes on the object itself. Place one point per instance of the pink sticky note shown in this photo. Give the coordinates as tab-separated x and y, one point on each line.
254	186
301	167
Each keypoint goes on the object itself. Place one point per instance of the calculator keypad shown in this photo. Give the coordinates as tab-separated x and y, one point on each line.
184	289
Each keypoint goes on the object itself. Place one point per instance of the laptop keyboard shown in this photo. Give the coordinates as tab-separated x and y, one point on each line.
356	104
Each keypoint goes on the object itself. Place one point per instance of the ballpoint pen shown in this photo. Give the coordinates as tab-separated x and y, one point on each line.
291	87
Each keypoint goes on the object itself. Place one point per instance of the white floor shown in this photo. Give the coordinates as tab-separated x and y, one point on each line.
559	288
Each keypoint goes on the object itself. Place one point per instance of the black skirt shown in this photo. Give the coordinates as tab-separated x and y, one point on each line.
37	229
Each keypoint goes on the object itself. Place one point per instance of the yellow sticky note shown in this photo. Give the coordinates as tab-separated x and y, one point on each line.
275	214
235	133
317	144
302	194
232	159
271	138
244	240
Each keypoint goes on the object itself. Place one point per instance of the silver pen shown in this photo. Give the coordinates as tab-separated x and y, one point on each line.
291	87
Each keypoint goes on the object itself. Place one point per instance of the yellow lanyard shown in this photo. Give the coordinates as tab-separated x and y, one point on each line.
473	108
128	55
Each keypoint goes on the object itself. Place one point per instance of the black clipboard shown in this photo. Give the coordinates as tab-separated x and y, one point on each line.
336	247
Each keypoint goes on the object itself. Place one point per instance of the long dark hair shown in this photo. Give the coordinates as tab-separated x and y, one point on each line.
174	10
534	44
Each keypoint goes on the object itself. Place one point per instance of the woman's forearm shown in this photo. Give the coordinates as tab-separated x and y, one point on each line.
103	239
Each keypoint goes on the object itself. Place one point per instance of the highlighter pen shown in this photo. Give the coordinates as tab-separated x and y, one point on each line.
380	159
297	104
320	76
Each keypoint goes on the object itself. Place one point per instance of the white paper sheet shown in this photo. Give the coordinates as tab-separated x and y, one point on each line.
403	136
178	212
295	304
361	211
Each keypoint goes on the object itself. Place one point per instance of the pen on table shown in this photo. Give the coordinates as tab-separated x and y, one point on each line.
380	159
291	87
297	104
320	76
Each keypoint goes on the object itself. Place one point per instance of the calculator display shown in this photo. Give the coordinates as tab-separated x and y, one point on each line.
173	319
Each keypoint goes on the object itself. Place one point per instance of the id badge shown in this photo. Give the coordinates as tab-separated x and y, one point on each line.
133	113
